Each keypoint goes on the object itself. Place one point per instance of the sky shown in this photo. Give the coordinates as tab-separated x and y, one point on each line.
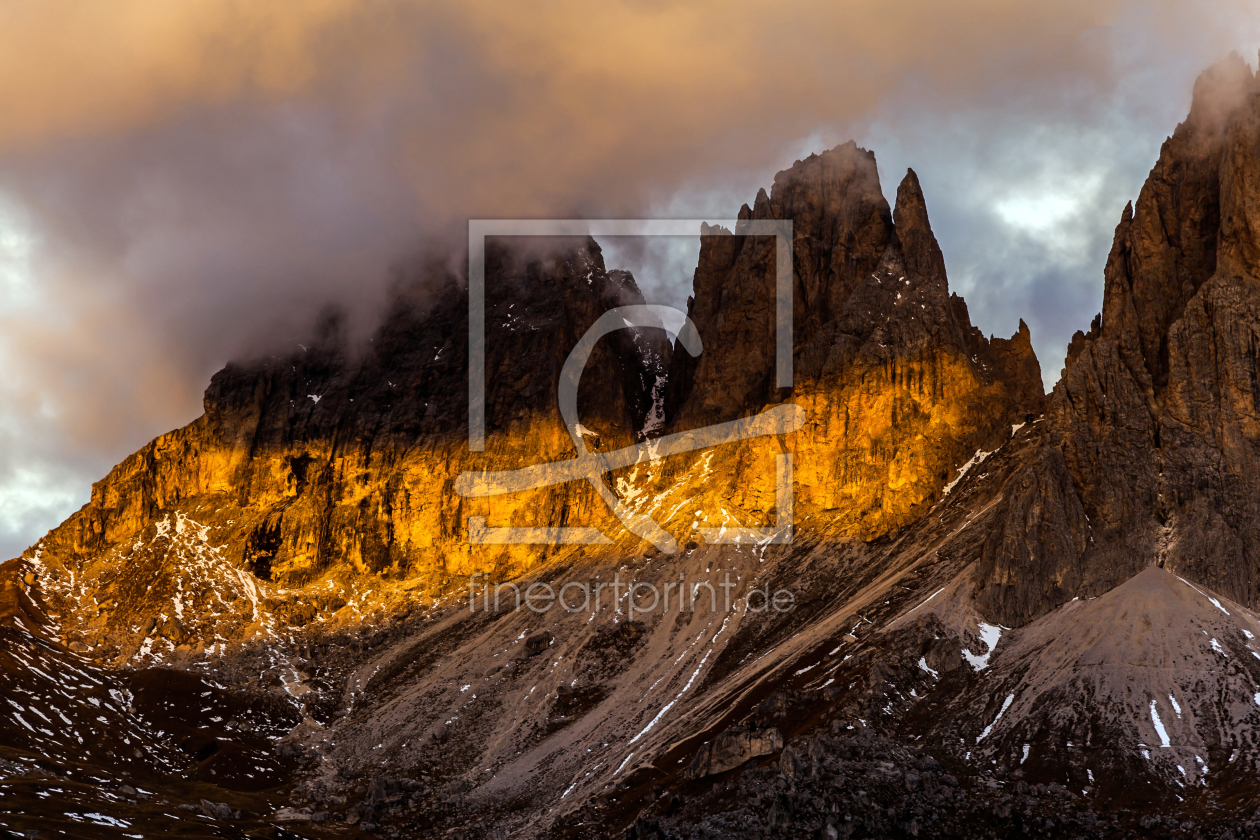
186	184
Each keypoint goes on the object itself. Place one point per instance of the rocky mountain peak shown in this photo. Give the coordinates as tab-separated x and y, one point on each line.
841	227
919	248
1239	249
1218	93
1153	418
878	341
1166	246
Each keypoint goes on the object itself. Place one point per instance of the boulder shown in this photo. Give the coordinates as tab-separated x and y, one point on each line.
302	614
292	815
538	643
943	655
219	810
732	748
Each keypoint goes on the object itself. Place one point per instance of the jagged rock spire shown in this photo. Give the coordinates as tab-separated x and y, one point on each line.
1155	414
919	248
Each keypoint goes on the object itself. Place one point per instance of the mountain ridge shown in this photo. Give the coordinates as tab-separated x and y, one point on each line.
1004	622
1153	417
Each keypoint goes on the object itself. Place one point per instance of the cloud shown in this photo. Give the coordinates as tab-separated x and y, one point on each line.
181	184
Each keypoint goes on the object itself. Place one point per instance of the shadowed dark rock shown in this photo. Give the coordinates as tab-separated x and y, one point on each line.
732	748
1154	423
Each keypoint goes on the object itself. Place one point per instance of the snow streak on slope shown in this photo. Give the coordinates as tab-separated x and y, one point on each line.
173	574
57	704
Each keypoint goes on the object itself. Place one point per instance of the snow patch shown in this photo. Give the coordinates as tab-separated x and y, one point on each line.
1159	727
978	458
656	415
990	635
1005	705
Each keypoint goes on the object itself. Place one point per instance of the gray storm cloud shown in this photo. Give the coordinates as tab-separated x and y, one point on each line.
182	184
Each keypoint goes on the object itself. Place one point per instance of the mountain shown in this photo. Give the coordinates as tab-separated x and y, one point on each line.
926	600
1153	420
898	386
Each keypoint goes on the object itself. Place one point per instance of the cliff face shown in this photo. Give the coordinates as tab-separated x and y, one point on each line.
1154	434
327	466
330	468
898	387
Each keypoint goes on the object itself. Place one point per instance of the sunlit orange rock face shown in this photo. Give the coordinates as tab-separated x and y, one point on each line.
335	467
899	389
327	475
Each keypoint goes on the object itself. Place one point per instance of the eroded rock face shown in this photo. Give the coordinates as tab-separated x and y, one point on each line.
899	389
1155	416
330	465
1042	533
329	461
732	748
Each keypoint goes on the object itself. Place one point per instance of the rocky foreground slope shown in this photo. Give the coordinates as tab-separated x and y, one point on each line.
1002	622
